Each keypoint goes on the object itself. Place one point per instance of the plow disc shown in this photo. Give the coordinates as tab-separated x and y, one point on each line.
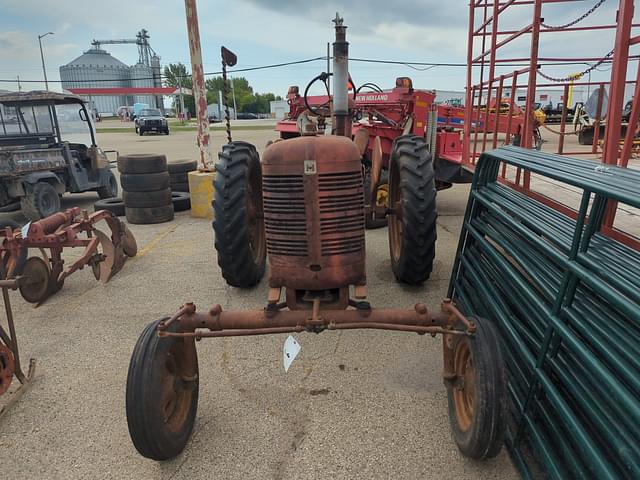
44	276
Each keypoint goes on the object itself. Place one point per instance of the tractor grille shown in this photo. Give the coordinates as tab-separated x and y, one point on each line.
341	207
341	203
284	215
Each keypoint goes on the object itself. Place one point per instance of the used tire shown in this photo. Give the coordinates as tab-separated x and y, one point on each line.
181	201
114	205
412	193
179	177
144	182
155	198
239	230
477	394
182	166
40	201
142	163
180	187
162	393
145	216
109	190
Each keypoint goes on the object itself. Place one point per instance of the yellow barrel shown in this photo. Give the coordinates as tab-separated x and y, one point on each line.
201	191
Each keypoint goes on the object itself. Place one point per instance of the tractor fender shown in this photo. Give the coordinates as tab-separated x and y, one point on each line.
49	177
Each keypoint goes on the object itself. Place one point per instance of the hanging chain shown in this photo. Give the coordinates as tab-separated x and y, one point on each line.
577	20
577	75
225	101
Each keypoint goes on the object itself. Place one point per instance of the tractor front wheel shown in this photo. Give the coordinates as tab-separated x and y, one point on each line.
239	222
477	392
412	201
162	393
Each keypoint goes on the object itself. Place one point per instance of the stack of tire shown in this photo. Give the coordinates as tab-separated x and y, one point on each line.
179	174
145	188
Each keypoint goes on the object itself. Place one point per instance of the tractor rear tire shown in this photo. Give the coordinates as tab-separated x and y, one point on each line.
147	216
110	190
478	412
142	163
239	225
162	393
114	205
144	182
412	194
40	201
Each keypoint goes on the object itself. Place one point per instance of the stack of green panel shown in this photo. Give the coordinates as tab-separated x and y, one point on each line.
565	298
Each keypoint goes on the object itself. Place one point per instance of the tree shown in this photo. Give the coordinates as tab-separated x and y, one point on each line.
176	74
246	99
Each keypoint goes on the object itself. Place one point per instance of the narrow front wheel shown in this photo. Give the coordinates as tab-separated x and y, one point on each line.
162	393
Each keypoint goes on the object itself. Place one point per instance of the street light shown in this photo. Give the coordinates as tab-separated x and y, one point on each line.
44	70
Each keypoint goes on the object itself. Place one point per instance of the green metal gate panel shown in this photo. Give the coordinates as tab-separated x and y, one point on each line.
565	298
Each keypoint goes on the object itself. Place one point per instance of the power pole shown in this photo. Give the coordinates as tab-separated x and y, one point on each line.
19	86
219	104
44	69
181	106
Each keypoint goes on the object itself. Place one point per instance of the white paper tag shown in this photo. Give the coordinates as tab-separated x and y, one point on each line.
25	230
290	351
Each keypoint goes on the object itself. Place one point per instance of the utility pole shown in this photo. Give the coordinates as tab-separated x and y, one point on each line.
219	104
233	93
44	69
19	86
181	106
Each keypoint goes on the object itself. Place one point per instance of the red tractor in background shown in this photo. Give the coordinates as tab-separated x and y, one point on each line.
380	117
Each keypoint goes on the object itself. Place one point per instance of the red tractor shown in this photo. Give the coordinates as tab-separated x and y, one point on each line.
303	207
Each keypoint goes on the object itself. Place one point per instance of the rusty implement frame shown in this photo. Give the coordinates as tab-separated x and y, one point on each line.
10	365
277	318
45	275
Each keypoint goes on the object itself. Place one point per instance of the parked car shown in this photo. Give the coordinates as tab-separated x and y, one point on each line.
48	147
151	120
247	116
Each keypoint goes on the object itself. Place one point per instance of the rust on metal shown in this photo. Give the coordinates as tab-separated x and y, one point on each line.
72	229
10	365
199	91
314	213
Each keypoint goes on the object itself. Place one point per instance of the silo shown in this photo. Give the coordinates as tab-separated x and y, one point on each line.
141	75
90	70
157	79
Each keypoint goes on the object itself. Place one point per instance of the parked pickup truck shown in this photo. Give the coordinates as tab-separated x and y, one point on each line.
48	147
151	120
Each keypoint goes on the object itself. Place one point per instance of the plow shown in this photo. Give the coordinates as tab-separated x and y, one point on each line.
38	277
44	275
303	206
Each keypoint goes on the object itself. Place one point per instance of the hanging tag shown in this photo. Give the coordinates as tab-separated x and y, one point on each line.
290	351
25	230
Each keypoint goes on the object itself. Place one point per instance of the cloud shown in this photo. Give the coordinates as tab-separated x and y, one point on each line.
18	45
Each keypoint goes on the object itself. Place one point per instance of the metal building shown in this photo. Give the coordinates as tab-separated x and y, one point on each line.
96	68
96	64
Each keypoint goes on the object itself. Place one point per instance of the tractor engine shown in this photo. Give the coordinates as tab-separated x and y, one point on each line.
313	198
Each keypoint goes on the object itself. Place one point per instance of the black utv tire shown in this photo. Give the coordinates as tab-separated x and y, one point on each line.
161	419
40	201
144	182
239	233
182	166
478	414
114	205
154	198
412	193
142	163
146	216
109	190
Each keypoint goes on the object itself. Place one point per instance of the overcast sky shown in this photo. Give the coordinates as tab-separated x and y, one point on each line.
271	31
